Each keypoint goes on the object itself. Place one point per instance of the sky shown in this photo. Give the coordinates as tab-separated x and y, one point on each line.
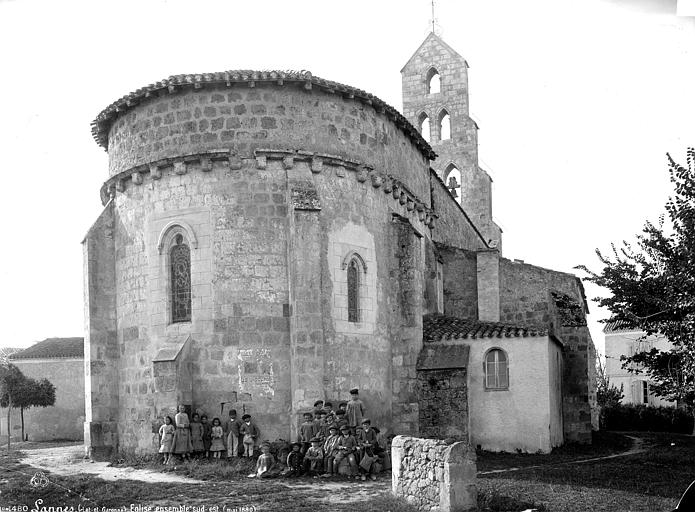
577	103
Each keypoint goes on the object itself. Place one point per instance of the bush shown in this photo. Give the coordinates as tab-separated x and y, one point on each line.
646	418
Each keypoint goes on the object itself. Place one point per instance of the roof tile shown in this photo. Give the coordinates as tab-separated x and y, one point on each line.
52	348
440	327
102	123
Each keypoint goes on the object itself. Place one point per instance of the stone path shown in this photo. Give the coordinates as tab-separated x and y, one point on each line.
637	447
68	460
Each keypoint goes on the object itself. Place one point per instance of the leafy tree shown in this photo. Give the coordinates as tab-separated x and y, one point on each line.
33	393
20	392
652	285
11	379
607	394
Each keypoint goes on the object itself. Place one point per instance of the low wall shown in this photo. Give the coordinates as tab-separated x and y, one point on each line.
434	475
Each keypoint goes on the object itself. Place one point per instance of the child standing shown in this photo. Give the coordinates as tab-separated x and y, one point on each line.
346	448
330	449
294	461
250	432
197	436
217	446
340	419
307	430
207	434
313	459
233	429
354	410
182	436
166	438
264	463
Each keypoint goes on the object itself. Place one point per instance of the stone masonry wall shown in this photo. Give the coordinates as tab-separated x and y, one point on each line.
101	353
433	475
460	282
453	228
524	291
265	116
443	401
462	148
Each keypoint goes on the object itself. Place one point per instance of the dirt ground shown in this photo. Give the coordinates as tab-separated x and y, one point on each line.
558	483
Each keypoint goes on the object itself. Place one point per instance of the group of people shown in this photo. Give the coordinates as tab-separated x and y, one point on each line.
326	438
200	438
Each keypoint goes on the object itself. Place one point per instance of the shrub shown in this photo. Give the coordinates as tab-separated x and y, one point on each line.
646	418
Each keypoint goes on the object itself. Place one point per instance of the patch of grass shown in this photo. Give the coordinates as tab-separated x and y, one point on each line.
603	443
494	500
663	470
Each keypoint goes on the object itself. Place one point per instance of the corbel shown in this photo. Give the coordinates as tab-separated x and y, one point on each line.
120	185
403	198
316	164
206	165
137	178
288	162
376	181
261	161
340	171
180	167
155	172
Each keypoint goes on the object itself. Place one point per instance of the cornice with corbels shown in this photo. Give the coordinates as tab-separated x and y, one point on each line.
319	163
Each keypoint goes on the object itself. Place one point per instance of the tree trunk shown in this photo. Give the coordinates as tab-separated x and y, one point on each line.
692	411
21	415
9	420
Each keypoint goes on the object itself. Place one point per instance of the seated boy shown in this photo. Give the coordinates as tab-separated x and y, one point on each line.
294	461
330	450
313	459
346	449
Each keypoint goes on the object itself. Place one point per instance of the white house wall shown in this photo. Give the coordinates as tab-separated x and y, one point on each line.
519	417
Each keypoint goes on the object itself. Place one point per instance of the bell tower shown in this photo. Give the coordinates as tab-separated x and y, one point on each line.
435	101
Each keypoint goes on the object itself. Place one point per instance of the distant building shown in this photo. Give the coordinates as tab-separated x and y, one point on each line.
61	361
624	340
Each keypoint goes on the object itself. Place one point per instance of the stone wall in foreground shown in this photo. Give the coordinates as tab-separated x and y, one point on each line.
434	475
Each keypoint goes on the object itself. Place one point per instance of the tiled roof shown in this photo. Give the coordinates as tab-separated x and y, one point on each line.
52	348
619	325
102	123
440	327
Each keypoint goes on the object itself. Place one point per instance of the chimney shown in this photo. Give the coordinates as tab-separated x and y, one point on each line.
488	263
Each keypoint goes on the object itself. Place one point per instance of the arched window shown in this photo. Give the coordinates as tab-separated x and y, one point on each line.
444	125
496	368
180	275
353	289
433	81
425	126
452	180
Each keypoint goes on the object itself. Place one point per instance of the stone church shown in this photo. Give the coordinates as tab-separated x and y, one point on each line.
273	238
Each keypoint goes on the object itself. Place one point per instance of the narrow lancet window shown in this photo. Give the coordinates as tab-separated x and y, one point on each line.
444	126
425	127
180	263
433	82
353	289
